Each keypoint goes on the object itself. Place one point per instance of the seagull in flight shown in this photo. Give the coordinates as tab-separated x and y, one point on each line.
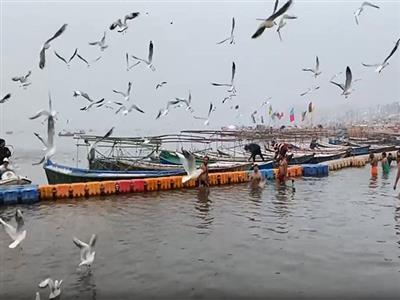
161	84
123	26
16	234
310	90
92	153
188	161
128	67
207	120
49	145
347	86
5	98
282	23
69	60
316	70
270	21
128	92
358	12
126	110
230	85
46	45
87	251
149	61
231	39
82	94
22	79
98	103
55	287
83	59
101	43
385	63
187	101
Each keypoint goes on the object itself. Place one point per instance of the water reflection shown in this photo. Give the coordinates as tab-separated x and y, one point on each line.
203	205
86	284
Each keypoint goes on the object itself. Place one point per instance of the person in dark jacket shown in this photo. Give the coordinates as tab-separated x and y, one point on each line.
4	151
255	150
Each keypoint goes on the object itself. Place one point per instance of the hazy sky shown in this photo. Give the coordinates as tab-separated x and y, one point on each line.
187	57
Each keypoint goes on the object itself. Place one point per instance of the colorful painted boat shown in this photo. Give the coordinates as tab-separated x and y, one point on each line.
63	174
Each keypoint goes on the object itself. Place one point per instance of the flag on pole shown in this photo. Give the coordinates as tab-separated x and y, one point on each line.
291	116
270	110
310	107
303	115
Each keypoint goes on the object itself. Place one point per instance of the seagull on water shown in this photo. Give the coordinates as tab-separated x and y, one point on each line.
310	90
5	98
46	45
92	152
230	85
358	12
282	23
87	251
128	67
385	63
49	145
316	70
346	87
270	21
55	287
161	84
188	161
207	120
101	43
128	92
123	26
16	234
23	79
231	38
69	60
149	61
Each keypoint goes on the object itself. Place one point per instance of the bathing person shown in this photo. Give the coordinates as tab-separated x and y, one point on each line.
256	177
282	170
390	158
374	165
255	150
385	164
203	178
397	176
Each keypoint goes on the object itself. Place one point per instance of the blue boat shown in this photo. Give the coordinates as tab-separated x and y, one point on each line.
360	150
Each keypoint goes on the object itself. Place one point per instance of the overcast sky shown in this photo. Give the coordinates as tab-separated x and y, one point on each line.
187	57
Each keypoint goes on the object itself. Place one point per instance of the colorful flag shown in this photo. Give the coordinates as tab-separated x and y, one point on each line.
303	115
310	107
291	116
270	110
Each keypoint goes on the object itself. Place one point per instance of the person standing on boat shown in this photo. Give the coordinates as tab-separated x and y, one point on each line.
280	150
385	164
374	165
255	150
4	151
203	177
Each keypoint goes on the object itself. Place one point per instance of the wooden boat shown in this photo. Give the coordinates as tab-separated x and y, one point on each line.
319	158
62	174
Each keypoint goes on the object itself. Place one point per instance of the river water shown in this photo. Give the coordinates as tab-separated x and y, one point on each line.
325	237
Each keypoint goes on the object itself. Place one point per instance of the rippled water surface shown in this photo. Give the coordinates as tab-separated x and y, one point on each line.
335	236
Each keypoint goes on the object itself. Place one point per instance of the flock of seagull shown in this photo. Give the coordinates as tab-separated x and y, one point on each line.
126	106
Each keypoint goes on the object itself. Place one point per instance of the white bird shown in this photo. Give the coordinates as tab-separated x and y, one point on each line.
230	85
385	63
361	9
98	103
92	150
5	98
187	101
87	250
270	21
55	287
83	59
16	234
82	94
316	70
46	45
123	26
126	110
161	84
128	92
188	161
347	86
49	145
101	43
128	67
282	23
22	79
149	61
310	90
229	97
69	60
207	120
231	38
